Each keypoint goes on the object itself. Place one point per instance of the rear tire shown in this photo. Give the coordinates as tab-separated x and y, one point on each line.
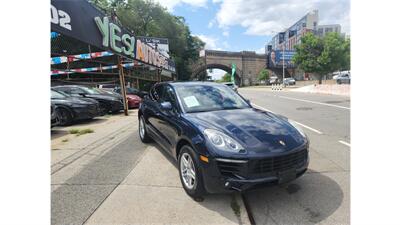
144	136
194	188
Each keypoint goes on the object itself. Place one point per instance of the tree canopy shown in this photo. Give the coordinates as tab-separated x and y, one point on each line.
147	18
263	75
323	55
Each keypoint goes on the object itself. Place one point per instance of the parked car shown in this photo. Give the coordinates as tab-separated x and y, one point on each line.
109	92
273	80
132	91
221	143
132	95
54	115
107	103
343	78
289	81
231	85
70	109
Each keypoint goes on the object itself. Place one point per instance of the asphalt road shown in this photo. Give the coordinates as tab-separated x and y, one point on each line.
322	195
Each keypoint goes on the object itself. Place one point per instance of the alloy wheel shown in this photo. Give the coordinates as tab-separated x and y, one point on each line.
141	128
188	171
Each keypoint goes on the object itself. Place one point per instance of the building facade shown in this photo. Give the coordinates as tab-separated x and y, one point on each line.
283	43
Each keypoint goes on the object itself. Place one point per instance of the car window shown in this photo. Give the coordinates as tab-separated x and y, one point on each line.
75	90
55	94
169	96
63	89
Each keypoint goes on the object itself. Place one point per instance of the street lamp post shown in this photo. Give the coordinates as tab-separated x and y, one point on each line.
283	64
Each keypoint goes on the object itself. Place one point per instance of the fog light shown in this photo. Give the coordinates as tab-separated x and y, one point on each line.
227	184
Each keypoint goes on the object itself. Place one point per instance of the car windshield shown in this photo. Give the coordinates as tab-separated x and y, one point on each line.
204	98
91	91
55	94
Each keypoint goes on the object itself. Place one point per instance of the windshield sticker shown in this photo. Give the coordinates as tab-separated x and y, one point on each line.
191	101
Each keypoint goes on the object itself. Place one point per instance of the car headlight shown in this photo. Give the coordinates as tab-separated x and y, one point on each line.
222	141
298	128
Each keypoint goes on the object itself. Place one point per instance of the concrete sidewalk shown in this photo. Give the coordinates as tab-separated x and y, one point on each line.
107	130
110	177
152	194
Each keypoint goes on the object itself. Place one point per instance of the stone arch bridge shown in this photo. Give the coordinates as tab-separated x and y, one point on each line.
248	64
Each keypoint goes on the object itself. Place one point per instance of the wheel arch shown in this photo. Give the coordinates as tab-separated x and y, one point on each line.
182	142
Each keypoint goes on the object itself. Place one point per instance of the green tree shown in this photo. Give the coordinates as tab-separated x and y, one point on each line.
263	75
323	55
226	77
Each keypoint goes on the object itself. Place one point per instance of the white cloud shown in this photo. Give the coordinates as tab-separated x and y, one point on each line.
210	24
261	17
211	42
261	50
225	33
171	4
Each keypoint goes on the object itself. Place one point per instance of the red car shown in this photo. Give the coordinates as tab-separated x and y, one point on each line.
133	100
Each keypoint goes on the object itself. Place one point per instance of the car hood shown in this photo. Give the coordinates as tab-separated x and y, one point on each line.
103	97
134	97
255	129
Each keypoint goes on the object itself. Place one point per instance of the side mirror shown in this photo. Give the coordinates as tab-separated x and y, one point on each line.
166	105
248	101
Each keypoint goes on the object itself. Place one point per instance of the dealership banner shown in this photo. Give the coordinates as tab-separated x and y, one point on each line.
81	20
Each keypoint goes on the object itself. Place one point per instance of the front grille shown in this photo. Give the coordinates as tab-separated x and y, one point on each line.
280	163
269	165
230	168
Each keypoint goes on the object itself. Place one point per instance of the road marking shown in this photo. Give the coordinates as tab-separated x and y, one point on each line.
320	103
261	107
310	128
305	126
345	143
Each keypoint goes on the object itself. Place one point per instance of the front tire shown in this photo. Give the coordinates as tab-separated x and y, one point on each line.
144	136
64	116
190	173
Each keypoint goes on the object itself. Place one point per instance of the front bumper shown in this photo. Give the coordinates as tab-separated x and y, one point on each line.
251	173
133	103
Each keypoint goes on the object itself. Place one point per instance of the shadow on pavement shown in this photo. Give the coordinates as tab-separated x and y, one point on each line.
308	200
58	133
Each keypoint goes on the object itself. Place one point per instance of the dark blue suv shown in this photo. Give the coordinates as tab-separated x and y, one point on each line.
220	141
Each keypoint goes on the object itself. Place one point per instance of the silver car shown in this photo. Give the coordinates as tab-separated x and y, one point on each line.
343	78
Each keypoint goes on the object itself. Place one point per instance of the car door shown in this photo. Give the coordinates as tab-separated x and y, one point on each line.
153	112
169	118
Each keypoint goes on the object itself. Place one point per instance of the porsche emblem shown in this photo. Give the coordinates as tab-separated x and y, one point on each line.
282	143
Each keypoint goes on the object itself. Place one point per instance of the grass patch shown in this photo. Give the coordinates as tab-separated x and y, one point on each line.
84	131
74	131
80	132
65	140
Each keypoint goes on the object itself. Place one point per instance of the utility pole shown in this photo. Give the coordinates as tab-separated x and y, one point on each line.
283	65
123	87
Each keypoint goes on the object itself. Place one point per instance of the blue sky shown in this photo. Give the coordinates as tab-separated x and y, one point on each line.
238	25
